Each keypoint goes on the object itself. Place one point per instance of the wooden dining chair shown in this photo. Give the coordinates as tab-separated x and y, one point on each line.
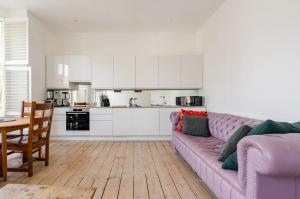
25	112
38	136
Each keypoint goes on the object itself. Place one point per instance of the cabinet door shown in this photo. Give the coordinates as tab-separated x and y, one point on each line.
191	71
169	71
79	68
146	121
58	128
101	128
136	121
57	75
102	72
124	72
165	125
146	72
123	121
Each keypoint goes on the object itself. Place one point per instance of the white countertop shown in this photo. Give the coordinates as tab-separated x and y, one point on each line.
168	106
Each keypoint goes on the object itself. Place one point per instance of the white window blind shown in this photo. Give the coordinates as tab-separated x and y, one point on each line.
17	73
16	42
1	65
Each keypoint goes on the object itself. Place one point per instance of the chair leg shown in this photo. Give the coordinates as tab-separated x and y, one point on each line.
46	154
1	175
40	152
30	167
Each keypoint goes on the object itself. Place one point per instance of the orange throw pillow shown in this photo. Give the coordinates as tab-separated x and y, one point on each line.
191	113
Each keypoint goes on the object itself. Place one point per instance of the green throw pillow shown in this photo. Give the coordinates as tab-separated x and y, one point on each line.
195	126
272	127
267	127
231	144
231	163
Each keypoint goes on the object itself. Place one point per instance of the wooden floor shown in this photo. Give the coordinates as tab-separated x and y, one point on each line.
117	169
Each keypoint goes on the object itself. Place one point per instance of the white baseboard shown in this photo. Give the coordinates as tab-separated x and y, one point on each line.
115	138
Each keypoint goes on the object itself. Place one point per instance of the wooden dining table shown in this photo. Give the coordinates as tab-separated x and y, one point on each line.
5	128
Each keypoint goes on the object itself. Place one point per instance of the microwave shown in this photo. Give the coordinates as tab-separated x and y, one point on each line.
189	101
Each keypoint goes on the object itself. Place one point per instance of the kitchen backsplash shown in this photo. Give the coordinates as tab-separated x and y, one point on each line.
145	97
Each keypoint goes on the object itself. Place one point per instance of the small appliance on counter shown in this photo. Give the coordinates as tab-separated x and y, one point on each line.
104	101
189	101
61	98
78	120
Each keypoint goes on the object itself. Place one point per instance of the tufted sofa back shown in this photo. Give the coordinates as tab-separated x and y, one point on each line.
222	125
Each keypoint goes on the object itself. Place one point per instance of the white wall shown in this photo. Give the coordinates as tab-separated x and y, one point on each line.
122	43
37	43
252	59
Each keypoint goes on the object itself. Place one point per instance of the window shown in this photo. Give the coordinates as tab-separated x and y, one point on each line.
16	72
1	65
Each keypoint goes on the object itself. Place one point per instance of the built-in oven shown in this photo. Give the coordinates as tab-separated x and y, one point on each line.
78	120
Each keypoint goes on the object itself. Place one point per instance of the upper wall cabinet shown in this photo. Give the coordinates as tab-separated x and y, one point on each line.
146	72
79	68
57	72
124	72
102	72
191	71
169	72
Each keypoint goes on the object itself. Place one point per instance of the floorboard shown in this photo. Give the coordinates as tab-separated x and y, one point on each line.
121	170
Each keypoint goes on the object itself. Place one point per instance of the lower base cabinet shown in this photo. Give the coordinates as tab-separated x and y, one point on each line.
101	128
135	121
121	122
58	128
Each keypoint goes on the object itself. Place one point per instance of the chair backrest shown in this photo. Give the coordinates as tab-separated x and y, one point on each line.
40	119
26	109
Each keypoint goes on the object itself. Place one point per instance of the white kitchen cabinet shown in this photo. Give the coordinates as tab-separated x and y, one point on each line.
165	125
124	72
169	72
79	68
101	122
146	72
102	72
58	128
57	72
191	71
101	128
135	121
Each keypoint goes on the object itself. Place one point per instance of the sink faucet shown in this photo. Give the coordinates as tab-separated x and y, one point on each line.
131	102
164	100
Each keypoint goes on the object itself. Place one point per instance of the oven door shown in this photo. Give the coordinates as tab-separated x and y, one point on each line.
78	121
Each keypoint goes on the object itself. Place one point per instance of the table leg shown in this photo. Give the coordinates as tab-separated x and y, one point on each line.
4	154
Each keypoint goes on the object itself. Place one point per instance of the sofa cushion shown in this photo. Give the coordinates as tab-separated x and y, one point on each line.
222	126
195	126
231	163
191	113
231	144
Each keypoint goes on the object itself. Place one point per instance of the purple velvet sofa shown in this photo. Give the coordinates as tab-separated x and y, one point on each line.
269	165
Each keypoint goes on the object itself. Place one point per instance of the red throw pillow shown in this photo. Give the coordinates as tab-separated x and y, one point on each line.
189	112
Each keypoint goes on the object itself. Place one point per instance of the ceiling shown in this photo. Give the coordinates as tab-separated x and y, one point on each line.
118	15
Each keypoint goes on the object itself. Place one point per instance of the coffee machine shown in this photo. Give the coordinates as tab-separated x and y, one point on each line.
61	98
104	101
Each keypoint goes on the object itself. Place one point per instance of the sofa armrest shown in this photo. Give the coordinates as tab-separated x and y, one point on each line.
174	118
275	155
